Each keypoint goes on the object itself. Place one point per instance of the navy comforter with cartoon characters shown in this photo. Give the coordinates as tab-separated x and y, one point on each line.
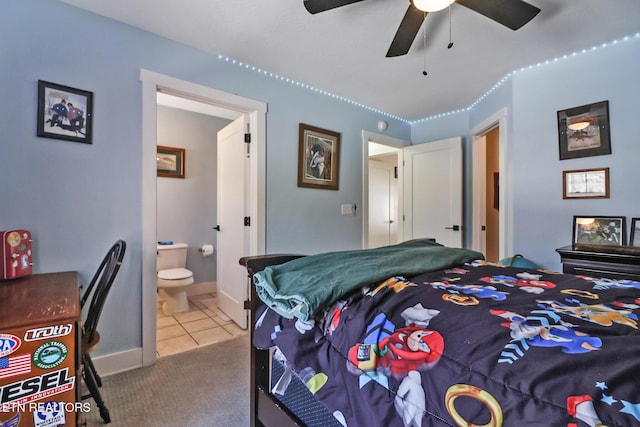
477	344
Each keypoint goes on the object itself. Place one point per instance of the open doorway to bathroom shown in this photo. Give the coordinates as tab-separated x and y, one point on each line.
186	212
255	112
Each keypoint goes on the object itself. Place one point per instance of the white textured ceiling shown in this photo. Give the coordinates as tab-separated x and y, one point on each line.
342	51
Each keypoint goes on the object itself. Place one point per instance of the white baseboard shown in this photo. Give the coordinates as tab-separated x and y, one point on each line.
201	288
115	363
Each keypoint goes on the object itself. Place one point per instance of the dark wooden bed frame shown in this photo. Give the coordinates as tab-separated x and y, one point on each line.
266	410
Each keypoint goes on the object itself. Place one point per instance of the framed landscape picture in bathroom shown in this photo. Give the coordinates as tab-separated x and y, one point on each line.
170	162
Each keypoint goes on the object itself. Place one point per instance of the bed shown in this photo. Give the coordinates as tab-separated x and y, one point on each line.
418	334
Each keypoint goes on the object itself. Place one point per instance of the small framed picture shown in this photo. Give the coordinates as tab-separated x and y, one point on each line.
599	230
585	184
170	162
634	240
64	112
318	158
584	131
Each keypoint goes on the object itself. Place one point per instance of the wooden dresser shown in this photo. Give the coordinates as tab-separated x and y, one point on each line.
611	262
40	321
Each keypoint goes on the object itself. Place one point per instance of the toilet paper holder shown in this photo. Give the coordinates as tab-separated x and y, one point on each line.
206	250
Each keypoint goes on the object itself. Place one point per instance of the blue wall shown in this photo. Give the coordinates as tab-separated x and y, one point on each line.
541	219
77	199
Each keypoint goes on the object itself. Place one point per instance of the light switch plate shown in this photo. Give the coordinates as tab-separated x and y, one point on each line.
346	209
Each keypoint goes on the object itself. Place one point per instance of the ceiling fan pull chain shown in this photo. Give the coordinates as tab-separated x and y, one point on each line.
424	42
450	45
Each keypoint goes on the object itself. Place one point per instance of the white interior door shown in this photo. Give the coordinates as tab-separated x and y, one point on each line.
233	235
433	191
383	201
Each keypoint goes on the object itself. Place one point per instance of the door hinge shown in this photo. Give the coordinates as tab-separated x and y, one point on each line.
247	141
247	304
247	221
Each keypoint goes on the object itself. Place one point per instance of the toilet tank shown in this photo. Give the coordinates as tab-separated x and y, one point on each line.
171	256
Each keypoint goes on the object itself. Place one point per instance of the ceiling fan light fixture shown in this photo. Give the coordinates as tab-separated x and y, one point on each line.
431	5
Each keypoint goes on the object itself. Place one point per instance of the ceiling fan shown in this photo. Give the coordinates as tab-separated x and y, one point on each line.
510	13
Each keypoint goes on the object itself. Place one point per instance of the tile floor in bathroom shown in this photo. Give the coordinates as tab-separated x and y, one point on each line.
203	324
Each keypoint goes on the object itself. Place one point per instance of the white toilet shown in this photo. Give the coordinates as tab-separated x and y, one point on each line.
173	278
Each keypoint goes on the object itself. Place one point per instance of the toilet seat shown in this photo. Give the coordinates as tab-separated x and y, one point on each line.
174	274
174	277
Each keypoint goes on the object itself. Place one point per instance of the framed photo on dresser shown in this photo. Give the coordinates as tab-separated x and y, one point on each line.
599	230
634	240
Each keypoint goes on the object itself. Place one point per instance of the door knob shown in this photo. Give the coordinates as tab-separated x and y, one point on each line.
217	228
454	228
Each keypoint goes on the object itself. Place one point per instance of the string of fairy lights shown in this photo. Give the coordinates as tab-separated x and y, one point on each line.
436	116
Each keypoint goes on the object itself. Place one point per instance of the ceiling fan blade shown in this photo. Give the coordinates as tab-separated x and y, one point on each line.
316	6
407	31
510	13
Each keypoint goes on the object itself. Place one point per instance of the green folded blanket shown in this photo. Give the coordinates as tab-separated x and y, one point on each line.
302	287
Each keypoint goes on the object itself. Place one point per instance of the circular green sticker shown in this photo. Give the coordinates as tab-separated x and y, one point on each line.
50	354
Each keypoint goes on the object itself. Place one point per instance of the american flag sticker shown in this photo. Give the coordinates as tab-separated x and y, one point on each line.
15	365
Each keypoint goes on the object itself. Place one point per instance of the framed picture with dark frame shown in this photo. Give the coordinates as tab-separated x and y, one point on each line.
599	230
170	162
318	158
584	131
585	184
64	112
634	240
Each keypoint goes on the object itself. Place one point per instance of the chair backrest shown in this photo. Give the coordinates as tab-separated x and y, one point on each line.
101	281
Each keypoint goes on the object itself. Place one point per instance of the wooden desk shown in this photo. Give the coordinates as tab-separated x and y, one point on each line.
40	318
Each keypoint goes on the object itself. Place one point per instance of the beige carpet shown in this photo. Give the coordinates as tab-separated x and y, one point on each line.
204	387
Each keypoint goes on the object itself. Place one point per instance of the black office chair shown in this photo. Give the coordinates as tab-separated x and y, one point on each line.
101	281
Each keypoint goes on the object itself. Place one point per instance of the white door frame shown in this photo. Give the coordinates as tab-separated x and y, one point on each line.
390	141
151	83
479	194
505	241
